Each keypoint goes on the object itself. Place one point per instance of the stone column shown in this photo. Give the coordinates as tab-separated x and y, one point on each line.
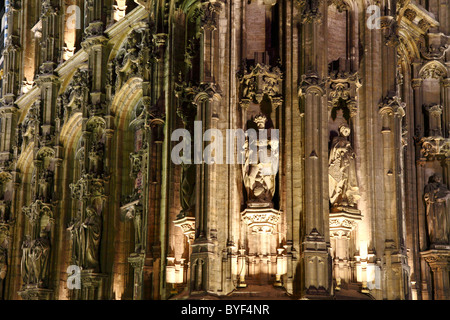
395	262
207	100
92	189
11	82
156	122
316	258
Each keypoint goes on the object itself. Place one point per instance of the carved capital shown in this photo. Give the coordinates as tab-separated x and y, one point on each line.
432	147
311	83
392	106
416	83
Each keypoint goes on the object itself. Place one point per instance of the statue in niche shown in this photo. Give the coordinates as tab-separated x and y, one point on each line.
136	164
4	179
3	217
135	214
3	260
96	159
39	255
343	185
259	177
436	195
75	232
26	266
28	134
187	188
91	234
45	186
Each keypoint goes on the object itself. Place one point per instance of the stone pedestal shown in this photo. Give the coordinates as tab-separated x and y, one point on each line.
187	225
202	261
260	265
137	262
92	286
342	223
438	258
261	220
317	267
35	293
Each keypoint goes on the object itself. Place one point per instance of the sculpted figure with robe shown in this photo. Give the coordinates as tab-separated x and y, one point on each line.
436	195
343	185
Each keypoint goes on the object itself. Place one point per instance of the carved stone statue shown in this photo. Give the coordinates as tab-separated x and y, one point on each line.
3	264
343	185
187	196
96	159
436	195
3	267
91	228
259	177
45	185
135	214
4	179
75	232
40	254
136	164
26	266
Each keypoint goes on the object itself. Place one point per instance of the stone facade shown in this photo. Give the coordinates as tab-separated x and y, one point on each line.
90	195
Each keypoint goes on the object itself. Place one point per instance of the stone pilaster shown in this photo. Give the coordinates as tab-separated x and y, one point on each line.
11	83
395	261
316	259
316	244
204	255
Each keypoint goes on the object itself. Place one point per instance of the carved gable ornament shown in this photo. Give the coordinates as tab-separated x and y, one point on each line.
258	81
133	56
433	70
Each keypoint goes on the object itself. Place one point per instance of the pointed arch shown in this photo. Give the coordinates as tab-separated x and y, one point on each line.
433	69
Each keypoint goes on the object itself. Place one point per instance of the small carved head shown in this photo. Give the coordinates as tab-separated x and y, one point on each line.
260	121
344	130
435	178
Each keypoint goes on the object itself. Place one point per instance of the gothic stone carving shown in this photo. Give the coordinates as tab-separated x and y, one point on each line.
259	176
35	260
344	190
210	12
133	212
343	87
187	225
76	94
436	196
434	147
86	236
258	81
130	59
261	220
